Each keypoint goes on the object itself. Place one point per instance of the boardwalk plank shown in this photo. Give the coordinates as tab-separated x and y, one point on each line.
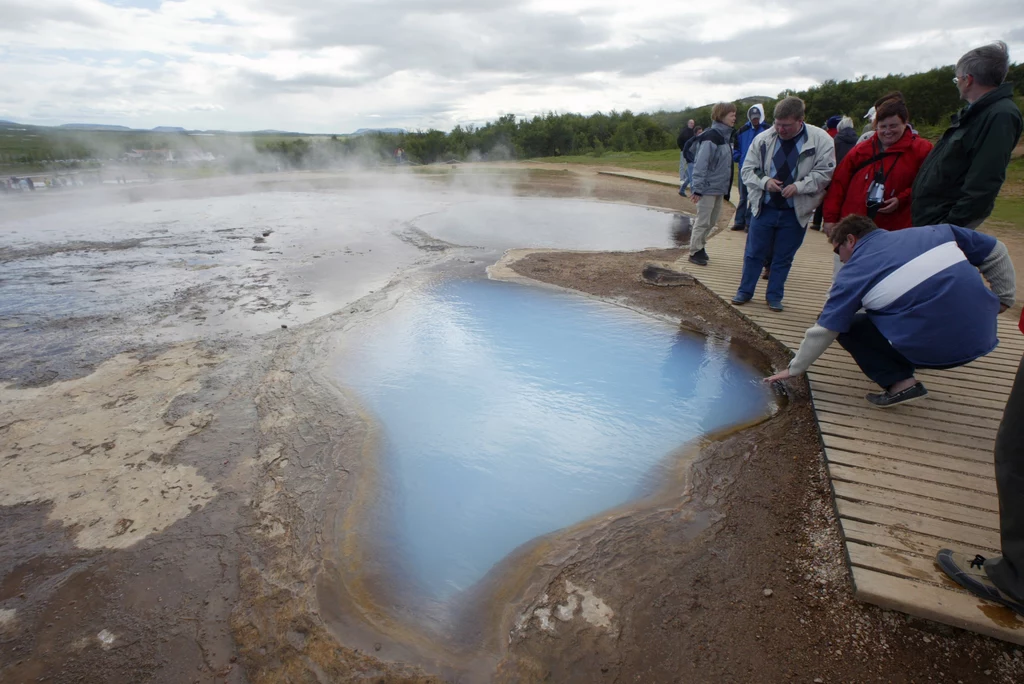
903	539
982	468
923	524
986	485
899	563
941	605
916	504
890	440
954	495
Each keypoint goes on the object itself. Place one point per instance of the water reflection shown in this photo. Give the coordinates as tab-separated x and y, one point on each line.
681	230
509	412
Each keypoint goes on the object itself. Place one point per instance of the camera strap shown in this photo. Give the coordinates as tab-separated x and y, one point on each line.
878	158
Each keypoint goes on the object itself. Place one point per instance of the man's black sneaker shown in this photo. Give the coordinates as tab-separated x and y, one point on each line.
776	306
740	300
886	399
700	258
970	574
738	226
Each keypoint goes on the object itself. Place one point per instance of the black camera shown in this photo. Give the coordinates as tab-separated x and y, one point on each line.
876	194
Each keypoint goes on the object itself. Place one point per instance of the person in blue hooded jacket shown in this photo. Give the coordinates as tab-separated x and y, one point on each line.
755	124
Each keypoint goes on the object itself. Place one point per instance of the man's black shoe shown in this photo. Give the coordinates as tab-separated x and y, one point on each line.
970	574
700	258
886	399
738	226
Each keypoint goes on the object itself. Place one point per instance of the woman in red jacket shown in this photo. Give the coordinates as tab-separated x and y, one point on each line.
875	178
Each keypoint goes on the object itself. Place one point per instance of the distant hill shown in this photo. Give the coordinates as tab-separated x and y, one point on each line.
5	121
366	131
93	127
169	129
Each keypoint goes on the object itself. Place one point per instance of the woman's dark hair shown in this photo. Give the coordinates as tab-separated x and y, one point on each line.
892	104
855	225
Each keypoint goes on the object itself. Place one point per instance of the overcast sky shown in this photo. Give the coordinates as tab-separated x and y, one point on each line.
332	66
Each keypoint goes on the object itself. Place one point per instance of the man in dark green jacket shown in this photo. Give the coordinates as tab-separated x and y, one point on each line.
960	179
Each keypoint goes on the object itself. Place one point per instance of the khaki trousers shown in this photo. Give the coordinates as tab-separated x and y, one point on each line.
708	209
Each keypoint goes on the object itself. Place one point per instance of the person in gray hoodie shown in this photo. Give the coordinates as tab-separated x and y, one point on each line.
712	177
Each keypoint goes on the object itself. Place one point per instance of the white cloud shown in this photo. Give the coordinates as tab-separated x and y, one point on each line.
337	65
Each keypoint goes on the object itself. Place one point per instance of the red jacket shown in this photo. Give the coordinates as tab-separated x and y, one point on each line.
848	192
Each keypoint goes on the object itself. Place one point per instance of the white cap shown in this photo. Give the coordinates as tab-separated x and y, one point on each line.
870	115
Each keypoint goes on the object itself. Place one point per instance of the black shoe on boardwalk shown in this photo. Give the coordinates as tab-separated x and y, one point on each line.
700	258
885	399
970	574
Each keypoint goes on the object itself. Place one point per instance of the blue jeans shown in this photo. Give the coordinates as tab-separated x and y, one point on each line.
742	217
774	232
682	169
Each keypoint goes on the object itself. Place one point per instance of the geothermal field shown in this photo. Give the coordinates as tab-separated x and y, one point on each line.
392	427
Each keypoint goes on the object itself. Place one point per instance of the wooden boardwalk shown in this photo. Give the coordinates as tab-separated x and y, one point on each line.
908	480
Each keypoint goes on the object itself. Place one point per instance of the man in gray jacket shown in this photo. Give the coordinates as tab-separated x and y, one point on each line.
712	177
787	171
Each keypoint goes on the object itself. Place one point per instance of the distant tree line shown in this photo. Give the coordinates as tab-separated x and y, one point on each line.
931	98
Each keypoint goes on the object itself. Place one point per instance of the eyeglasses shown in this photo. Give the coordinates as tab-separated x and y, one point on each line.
957	79
835	250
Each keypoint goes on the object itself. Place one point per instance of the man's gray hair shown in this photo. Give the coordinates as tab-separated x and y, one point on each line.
846	122
988	64
789	108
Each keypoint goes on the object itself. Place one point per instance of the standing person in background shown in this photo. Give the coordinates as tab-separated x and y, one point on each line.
832	128
681	140
712	177
875	178
869	127
755	126
832	125
689	150
959	181
786	172
845	140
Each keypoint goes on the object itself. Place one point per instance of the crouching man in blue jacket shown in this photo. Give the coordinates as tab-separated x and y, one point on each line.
924	302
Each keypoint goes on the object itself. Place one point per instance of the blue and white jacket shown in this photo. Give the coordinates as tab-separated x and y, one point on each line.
922	290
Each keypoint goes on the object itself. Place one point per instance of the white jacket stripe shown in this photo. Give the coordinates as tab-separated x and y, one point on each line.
911	274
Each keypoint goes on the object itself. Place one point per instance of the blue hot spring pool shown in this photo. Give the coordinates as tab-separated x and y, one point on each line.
508	412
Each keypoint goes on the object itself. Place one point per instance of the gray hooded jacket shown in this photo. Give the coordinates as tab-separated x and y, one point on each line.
712	166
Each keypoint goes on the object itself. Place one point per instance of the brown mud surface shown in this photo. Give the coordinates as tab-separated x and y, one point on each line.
240	464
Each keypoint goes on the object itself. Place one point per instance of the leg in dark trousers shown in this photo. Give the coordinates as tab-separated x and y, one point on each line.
742	218
818	213
1007	572
876	357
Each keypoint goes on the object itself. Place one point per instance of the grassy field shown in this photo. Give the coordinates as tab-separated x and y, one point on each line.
1010	203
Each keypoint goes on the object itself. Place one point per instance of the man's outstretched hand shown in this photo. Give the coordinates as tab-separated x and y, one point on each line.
784	375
